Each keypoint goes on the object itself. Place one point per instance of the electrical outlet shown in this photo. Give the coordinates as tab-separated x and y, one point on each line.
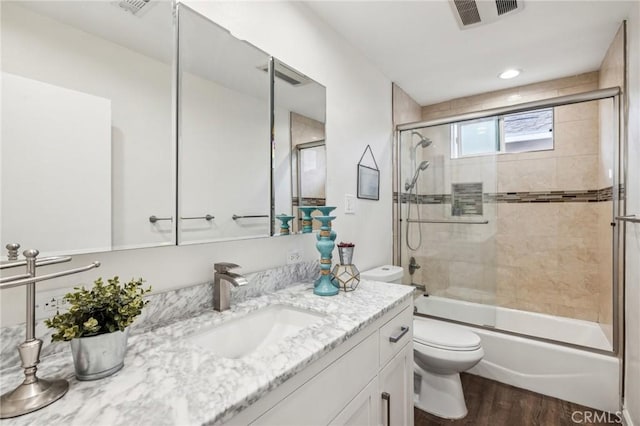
294	256
349	204
48	303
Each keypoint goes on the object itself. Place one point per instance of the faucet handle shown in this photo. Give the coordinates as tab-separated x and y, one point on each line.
223	267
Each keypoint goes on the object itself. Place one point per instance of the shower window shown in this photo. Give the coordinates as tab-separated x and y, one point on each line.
477	137
511	133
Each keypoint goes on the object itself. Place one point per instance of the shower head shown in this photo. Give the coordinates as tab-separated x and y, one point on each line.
409	185
424	142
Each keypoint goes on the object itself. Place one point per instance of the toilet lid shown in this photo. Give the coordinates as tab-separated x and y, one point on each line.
444	336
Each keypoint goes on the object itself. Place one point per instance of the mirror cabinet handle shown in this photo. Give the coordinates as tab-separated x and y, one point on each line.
235	216
207	217
154	218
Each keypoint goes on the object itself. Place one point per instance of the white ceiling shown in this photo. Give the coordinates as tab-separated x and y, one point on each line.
419	45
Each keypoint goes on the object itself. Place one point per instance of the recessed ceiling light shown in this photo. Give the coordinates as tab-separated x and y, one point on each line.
510	73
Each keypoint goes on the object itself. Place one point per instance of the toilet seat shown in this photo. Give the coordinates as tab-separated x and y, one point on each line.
439	335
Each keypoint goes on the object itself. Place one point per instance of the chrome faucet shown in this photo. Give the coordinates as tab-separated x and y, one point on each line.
222	279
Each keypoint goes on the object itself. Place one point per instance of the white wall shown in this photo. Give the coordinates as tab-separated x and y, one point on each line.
358	113
632	308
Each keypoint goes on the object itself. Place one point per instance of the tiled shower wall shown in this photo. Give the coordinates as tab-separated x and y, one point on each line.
539	256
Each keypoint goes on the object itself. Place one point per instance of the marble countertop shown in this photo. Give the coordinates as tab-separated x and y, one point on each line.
168	381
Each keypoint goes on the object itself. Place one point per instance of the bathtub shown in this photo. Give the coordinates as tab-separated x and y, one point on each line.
571	374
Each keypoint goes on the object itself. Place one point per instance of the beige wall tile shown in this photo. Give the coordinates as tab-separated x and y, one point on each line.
579	172
581	88
582	111
527	175
405	109
577	220
578	137
546	89
526	219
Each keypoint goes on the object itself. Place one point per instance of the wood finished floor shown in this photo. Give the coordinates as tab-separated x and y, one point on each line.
491	403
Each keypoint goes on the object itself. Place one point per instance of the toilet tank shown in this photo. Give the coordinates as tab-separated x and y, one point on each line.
385	273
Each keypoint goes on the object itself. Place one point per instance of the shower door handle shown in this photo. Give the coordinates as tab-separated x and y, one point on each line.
630	218
387	397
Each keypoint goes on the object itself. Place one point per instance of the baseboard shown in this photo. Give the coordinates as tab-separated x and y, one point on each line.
626	418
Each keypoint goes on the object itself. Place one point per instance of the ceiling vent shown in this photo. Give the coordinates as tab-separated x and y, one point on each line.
470	13
136	7
287	74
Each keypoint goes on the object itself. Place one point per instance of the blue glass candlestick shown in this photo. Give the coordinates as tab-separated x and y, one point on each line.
306	219
284	226
326	211
324	285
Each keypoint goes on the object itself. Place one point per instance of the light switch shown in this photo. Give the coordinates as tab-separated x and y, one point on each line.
349	204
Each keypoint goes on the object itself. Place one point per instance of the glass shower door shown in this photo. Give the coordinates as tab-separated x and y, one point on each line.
506	220
448	226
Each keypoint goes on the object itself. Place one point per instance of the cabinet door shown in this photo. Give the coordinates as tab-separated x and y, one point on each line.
362	410
396	389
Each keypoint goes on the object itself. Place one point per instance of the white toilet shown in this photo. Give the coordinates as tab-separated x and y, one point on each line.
441	351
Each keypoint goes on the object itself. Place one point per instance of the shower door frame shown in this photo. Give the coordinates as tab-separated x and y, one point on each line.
618	203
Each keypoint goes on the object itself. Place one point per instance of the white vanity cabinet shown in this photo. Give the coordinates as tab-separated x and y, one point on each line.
387	399
396	389
345	386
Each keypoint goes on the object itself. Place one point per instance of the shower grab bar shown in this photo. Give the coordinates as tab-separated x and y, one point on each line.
467	222
207	217
235	216
630	218
154	218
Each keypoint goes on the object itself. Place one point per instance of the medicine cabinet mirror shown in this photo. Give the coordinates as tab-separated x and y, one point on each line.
87	151
231	183
223	122
91	119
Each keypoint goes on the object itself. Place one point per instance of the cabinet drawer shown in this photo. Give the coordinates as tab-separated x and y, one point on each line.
395	334
323	397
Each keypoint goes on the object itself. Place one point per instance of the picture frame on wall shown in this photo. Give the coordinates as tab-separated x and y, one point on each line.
368	178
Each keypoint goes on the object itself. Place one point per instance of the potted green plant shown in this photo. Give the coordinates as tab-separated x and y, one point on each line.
97	325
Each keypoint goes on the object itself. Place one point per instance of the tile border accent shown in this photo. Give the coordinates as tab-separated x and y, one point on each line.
308	201
580	196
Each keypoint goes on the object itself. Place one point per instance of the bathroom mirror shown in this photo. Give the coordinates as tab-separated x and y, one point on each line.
88	153
299	134
224	128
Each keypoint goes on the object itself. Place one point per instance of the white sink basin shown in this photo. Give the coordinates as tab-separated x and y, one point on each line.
240	337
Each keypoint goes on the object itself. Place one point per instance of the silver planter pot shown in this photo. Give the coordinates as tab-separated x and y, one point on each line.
99	356
346	255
